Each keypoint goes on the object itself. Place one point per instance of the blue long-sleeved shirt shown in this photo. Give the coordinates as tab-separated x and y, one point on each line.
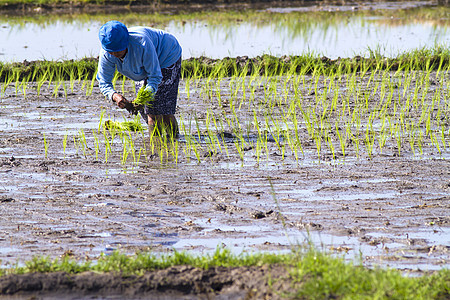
149	50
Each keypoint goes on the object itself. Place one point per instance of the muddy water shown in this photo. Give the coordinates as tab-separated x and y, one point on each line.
345	36
390	210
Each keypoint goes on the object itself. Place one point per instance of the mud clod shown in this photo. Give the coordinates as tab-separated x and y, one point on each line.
258	215
6	200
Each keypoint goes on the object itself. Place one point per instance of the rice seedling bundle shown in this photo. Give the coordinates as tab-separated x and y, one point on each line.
123	126
144	97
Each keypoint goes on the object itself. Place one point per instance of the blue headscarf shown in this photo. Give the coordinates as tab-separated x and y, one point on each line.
114	36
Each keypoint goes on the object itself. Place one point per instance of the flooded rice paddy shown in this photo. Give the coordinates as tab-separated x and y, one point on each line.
381	195
332	31
64	192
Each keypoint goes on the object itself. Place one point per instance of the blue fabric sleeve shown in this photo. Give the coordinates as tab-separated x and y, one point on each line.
105	74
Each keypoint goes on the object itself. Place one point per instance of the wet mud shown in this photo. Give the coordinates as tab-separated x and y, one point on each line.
389	210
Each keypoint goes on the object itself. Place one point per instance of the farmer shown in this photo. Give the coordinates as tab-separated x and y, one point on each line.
150	57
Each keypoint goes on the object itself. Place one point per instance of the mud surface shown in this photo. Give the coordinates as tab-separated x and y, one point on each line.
390	209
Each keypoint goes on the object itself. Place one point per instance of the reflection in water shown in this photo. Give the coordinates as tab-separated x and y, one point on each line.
343	37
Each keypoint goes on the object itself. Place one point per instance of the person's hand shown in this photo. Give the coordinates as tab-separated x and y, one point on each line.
120	100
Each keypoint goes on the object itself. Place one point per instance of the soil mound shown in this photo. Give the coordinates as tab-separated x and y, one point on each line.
175	282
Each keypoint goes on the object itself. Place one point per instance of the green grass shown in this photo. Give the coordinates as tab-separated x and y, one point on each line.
268	65
313	274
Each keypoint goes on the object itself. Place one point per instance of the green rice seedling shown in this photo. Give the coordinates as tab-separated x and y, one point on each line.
258	149
91	86
8	80
210	141
420	142
330	145
240	150
412	135
195	147
298	143
100	123
80	71
132	148
85	83
355	140
82	141
398	138
114	80
107	143
124	151
42	79
75	143
342	139
187	148
24	85
369	141
187	89
59	80
444	144
64	143
213	136
56	88
16	80
124	80
435	142
64	89
175	149
138	159
71	80
45	146
382	138
96	144
197	125
318	142
142	135
289	140
113	131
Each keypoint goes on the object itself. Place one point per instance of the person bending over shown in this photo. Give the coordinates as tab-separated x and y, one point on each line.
152	58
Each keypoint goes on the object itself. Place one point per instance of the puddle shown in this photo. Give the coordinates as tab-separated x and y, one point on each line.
211	225
8	250
312	194
32	115
348	248
435	235
74	128
101	204
10	124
